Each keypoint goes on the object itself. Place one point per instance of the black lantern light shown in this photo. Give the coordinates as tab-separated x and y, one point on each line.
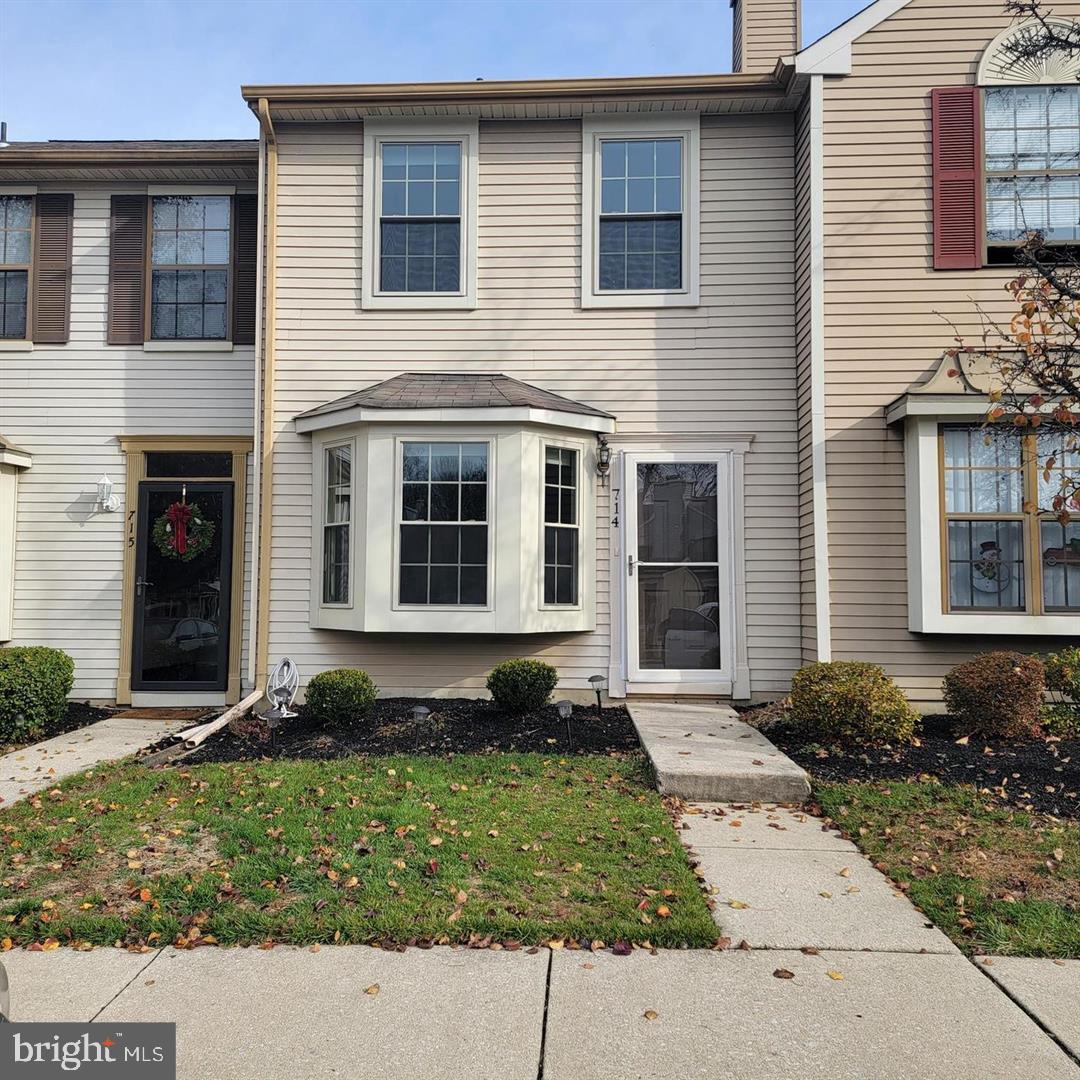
566	711
419	715
599	685
603	456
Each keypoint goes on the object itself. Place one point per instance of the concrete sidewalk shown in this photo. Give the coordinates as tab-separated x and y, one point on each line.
23	772
248	1014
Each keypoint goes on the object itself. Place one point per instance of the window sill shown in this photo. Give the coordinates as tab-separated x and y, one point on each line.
187	346
989	624
16	345
640	300
422	302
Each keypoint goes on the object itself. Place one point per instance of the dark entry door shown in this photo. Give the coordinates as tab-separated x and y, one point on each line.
183	586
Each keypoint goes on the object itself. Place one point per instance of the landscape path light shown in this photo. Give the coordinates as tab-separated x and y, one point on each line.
419	714
599	685
566	711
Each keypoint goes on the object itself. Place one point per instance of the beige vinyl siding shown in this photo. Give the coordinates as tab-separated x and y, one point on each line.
886	310
764	30
723	368
67	405
807	570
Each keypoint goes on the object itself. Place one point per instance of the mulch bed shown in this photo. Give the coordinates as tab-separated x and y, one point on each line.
455	726
1042	775
78	715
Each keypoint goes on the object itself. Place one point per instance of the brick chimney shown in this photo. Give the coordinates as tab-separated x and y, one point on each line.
763	31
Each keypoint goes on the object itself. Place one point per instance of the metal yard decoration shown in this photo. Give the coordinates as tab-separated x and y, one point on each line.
281	690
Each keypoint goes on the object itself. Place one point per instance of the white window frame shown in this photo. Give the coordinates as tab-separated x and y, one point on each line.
927	612
324	525
399	499
595	129
378	132
579	524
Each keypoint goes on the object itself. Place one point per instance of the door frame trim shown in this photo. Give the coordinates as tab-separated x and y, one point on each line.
679	447
135	448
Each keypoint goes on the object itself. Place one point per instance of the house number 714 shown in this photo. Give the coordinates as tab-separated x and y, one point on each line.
615	502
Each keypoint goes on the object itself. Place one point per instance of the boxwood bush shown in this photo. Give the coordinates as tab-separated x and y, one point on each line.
522	686
1062	716
343	696
851	699
998	694
34	685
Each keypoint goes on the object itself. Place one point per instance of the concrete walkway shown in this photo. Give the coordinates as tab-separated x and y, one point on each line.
42	765
1048	989
705	752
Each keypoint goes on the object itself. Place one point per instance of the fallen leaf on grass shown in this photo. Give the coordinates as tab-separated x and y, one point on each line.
783	973
663	911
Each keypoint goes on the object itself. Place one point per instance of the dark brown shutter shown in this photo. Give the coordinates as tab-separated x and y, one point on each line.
51	317
245	250
957	151
127	270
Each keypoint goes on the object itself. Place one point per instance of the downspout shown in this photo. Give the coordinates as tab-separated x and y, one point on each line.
822	603
264	404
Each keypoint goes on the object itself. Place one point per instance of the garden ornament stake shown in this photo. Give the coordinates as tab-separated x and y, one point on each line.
599	684
566	711
281	690
419	714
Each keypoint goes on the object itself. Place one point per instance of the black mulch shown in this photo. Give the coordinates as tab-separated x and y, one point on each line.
1042	775
78	715
455	726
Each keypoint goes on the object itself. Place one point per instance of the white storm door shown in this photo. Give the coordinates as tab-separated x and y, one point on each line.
679	569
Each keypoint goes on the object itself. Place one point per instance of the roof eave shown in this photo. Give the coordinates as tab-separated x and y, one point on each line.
511	414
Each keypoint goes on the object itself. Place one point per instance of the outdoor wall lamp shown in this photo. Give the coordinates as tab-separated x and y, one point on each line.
106	500
603	456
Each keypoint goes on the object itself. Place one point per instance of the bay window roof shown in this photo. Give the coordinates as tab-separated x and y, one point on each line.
417	396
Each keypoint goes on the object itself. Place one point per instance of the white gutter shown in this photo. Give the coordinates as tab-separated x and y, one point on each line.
256	494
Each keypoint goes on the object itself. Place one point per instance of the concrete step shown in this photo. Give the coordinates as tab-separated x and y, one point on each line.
705	753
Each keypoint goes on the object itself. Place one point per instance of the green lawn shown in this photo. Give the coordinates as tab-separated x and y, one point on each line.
995	880
519	848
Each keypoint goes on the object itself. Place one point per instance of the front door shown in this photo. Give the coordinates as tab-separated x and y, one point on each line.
679	594
183	586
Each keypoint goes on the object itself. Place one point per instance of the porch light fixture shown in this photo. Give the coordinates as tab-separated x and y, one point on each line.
566	710
599	685
419	714
603	456
106	500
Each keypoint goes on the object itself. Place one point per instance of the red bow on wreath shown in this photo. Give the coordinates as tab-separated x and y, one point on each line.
178	515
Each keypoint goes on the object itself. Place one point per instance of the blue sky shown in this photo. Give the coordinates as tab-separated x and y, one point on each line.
171	69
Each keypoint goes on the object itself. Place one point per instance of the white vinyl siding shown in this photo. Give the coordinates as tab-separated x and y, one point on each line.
67	405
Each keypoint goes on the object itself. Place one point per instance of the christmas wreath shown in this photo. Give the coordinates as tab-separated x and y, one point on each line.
182	532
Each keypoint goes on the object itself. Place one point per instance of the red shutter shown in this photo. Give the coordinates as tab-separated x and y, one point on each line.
52	268
127	268
957	148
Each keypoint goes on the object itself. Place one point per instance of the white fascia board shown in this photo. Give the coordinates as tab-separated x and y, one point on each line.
831	55
545	417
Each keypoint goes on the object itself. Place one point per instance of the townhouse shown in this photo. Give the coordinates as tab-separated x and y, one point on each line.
638	376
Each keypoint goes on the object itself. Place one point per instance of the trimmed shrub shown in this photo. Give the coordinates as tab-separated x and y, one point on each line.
341	696
998	694
522	686
34	684
1062	716
851	699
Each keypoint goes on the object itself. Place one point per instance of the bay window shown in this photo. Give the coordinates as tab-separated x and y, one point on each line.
561	526
337	524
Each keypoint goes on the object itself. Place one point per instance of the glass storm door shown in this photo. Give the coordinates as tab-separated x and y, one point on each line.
679	569
183	586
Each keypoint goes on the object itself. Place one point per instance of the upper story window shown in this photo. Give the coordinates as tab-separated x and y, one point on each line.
640	211
190	253
420	218
16	215
443	555
1032	157
419	215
